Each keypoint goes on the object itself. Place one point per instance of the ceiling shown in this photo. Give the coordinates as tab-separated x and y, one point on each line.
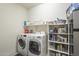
29	5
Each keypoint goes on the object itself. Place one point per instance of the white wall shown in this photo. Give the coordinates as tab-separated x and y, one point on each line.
11	22
49	11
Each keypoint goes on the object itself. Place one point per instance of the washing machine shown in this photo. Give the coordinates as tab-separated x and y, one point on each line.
22	44
37	45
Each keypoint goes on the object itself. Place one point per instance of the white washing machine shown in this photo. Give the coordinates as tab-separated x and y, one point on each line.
22	44
37	45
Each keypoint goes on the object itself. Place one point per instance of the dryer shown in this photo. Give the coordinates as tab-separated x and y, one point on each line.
37	44
22	44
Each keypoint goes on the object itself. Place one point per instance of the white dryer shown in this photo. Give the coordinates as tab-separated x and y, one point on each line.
22	44
37	45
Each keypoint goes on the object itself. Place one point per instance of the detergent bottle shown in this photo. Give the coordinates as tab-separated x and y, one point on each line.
26	30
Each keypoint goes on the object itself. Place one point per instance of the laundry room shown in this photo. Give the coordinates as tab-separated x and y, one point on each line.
39	29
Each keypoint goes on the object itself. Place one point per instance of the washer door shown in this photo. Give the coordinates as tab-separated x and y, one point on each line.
22	43
34	47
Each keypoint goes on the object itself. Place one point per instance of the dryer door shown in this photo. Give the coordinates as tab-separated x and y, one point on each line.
35	47
22	43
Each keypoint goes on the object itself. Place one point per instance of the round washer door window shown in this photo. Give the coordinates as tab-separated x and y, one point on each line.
22	43
34	47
